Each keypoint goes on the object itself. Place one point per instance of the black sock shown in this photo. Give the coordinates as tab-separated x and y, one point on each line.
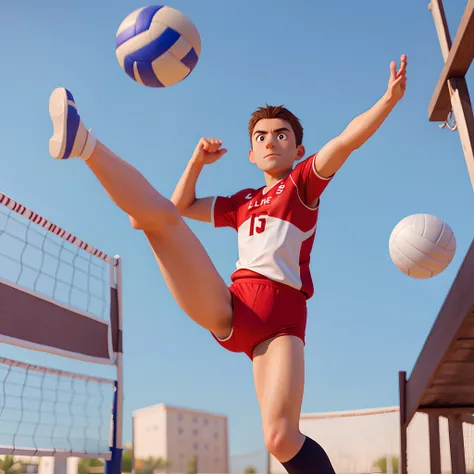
310	459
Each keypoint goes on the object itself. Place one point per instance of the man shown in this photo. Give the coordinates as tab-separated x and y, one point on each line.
263	312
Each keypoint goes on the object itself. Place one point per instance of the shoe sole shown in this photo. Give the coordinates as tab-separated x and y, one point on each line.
66	122
58	110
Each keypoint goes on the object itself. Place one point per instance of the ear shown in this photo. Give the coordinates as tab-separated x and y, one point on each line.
300	152
251	158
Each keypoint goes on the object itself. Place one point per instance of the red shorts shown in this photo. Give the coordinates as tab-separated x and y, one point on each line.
263	309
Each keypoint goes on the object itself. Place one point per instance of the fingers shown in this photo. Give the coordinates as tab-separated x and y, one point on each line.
393	70
211	145
403	65
400	83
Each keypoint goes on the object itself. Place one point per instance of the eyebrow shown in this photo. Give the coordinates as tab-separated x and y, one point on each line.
278	130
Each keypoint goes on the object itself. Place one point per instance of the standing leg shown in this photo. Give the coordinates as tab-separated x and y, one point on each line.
189	273
279	381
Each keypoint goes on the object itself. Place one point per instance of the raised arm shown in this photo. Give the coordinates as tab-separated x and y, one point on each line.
333	155
207	151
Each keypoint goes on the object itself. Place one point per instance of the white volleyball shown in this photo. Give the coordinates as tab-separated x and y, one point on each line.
422	245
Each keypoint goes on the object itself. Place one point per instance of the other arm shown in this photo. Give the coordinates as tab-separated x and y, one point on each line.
333	155
184	196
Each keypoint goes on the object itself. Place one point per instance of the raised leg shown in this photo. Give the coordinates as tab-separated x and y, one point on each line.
279	382
188	271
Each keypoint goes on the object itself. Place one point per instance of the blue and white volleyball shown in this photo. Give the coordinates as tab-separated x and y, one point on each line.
157	46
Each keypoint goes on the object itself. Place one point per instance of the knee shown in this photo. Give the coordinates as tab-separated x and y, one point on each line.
156	219
135	223
282	439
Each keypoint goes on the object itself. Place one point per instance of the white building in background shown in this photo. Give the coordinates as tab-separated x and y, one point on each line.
179	435
357	440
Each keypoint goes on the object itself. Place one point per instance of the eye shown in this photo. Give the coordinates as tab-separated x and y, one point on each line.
282	136
260	138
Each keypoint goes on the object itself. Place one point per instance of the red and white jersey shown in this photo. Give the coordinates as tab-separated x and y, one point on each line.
276	227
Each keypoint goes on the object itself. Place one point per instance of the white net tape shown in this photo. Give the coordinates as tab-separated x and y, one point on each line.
47	412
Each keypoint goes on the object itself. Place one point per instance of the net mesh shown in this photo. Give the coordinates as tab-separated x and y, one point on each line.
36	255
47	412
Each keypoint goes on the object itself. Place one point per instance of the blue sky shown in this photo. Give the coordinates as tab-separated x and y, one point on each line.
327	62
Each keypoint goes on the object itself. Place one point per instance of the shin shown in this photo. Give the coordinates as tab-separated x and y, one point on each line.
279	382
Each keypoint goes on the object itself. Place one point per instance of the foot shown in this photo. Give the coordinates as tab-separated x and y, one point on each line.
70	138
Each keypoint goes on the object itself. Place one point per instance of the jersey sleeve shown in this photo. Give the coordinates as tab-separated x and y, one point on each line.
309	183
225	209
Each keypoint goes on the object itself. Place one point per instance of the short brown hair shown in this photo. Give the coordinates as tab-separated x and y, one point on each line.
277	111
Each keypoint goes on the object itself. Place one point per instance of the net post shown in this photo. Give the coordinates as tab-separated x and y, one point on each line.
114	465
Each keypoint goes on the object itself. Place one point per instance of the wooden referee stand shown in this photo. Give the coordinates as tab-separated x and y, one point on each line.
451	95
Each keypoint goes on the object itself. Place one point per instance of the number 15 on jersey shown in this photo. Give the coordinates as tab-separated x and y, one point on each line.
257	223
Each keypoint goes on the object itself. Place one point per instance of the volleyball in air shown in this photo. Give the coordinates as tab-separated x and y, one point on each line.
422	246
157	46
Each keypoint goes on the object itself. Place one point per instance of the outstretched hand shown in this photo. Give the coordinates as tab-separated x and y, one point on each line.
208	151
397	83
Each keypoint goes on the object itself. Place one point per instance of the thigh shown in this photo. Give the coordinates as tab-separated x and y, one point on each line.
278	367
192	277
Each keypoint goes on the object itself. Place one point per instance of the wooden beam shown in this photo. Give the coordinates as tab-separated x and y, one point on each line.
446	411
451	92
435	445
456	307
462	108
441	25
458	57
448	389
456	443
402	378
465	418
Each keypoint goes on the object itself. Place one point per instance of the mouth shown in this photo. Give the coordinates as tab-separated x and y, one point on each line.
270	155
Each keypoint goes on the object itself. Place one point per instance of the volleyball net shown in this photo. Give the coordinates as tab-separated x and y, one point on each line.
62	296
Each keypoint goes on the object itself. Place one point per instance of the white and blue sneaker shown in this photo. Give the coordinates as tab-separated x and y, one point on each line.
71	138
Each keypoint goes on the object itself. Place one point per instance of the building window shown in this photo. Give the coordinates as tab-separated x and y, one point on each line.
195	446
180	430
195	432
195	419
29	468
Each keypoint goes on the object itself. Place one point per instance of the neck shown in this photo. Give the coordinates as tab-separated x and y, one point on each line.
274	177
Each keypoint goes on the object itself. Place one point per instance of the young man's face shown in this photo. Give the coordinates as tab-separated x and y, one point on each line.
274	146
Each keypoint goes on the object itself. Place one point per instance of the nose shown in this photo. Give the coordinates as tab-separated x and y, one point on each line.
269	145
